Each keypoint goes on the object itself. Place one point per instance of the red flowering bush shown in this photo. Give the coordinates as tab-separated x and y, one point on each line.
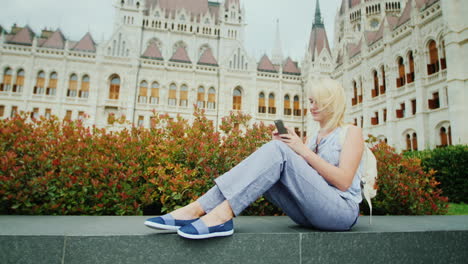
404	188
49	166
53	167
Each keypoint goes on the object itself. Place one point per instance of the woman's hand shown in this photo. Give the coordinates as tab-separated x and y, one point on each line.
293	141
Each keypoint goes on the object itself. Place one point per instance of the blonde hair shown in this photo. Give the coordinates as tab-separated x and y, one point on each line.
330	97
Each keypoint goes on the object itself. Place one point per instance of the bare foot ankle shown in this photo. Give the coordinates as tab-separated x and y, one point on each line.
188	212
214	220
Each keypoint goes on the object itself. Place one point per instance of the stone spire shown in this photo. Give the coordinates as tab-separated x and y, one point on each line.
318	15
277	54
318	36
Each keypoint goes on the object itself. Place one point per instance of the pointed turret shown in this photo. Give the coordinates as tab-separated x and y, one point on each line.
181	56
277	54
153	52
318	36
318	15
55	41
266	65
290	67
207	58
86	44
23	36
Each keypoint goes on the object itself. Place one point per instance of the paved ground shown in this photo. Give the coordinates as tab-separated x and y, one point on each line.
124	239
133	225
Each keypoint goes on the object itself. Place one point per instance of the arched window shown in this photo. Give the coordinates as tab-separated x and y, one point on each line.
154	99
40	83
172	94
383	87
297	107
433	65
18	87
52	88
237	99
84	90
211	98
450	135
201	97
184	95
408	142
401	72
414	142
7	80
354	99
271	104
261	103
410	75
287	105
72	86
375	91
443	137
443	63
114	89
143	95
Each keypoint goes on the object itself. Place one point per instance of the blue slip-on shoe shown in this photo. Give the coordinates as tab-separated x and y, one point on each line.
199	230
167	222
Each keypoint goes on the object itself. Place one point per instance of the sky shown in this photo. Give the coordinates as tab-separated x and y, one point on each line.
75	18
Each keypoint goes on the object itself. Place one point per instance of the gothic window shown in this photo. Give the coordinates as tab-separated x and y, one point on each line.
443	63
271	104
114	88
52	88
237	99
201	97
414	142
383	87
354	100
72	86
154	99
297	107
143	95
410	75
84	90
287	105
184	95
408	142
400	81
7	80
211	98
433	65
18	87
261	103
40	83
411	141
375	91
172	95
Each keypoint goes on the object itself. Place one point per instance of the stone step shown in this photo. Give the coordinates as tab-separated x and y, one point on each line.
124	239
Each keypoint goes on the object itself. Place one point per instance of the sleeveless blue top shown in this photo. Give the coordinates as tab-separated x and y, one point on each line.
329	149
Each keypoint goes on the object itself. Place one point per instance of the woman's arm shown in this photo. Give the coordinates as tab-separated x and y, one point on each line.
342	176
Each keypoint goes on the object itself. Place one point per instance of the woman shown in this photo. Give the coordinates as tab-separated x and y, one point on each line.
316	185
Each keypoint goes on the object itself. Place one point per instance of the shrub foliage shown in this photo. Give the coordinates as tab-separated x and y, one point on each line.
52	167
48	166
451	169
404	188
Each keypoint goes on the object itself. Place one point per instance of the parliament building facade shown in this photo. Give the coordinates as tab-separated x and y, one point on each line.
400	62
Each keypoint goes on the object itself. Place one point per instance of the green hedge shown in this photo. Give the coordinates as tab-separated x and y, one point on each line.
451	169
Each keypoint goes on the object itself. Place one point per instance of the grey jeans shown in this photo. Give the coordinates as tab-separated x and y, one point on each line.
289	182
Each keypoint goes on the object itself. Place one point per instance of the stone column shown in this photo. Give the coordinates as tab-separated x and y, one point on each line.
456	48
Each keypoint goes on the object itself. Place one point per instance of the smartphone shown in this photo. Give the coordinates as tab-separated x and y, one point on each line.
280	127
